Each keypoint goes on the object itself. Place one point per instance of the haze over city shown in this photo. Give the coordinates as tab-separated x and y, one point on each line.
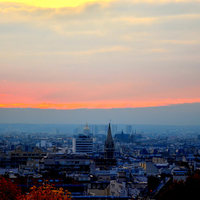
182	115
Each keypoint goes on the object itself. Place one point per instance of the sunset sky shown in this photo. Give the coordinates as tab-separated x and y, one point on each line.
99	54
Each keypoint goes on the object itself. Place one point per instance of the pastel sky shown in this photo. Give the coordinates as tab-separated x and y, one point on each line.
99	54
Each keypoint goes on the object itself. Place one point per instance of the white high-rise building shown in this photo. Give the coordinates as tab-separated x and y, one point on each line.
128	129
114	129
82	144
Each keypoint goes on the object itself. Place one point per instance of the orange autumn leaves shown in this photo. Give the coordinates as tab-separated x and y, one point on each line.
8	191
47	192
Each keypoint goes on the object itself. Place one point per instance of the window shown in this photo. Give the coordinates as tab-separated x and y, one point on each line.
63	163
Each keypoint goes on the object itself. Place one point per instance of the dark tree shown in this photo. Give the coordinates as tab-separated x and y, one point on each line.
9	190
180	190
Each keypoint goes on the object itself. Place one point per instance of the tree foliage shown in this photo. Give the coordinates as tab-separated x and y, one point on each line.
10	191
190	189
47	192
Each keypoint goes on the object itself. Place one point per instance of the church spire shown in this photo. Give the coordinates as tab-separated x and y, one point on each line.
109	135
109	145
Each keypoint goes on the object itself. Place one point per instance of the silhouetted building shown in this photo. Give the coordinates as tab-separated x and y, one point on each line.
132	138
122	137
19	157
128	129
114	129
102	128
109	145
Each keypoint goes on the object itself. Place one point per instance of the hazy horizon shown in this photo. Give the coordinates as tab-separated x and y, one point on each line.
183	115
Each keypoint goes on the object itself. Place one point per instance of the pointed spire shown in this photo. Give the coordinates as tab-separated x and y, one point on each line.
109	135
109	147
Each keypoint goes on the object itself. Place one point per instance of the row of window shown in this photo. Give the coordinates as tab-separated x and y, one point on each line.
28	154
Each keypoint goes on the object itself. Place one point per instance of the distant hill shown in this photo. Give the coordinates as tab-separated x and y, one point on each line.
182	114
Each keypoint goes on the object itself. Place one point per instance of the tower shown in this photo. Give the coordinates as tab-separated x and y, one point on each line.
128	129
109	145
86	130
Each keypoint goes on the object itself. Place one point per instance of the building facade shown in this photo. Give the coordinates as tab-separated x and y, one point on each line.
82	144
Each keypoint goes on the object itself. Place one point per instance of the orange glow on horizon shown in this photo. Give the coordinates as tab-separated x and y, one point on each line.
98	105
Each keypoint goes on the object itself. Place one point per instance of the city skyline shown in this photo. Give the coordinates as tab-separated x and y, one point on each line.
99	54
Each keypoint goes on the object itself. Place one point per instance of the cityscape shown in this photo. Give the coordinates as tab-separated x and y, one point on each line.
100	161
99	99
